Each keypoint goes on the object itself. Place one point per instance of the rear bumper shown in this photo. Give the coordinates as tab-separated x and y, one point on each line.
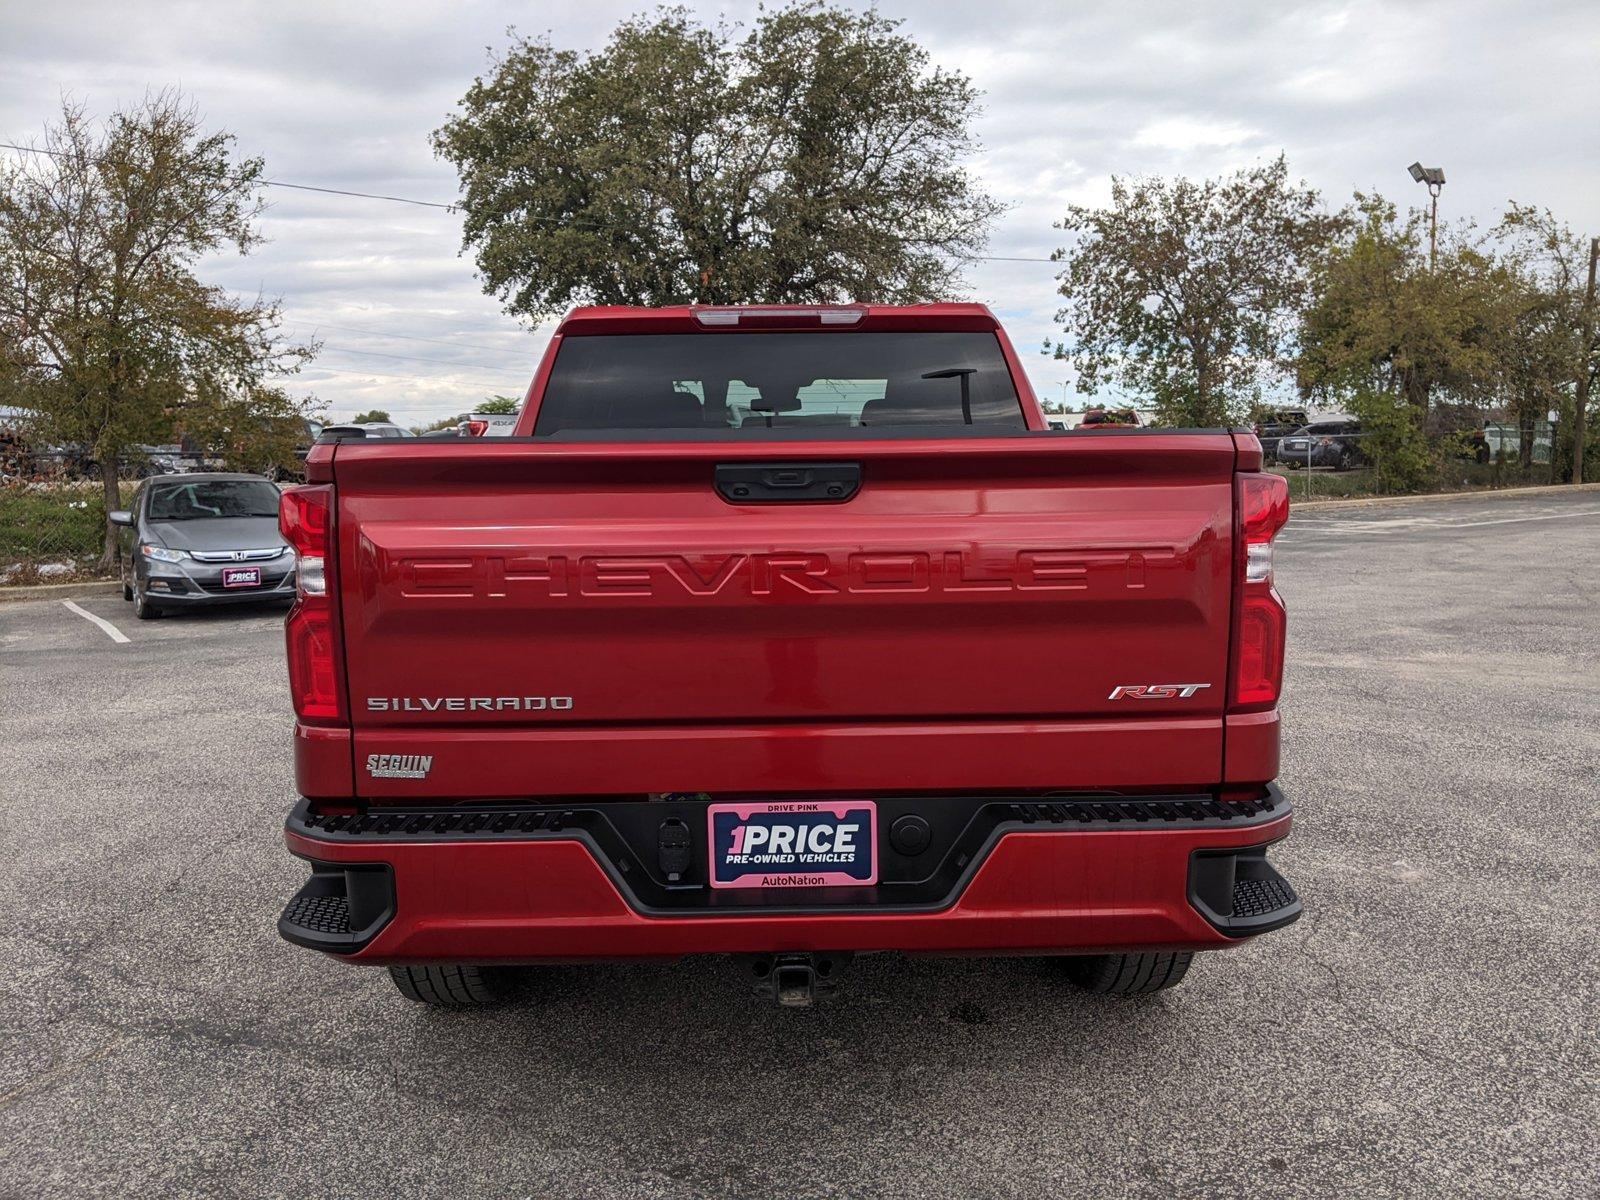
1047	878
208	599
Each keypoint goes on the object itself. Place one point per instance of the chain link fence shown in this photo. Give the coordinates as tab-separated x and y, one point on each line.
52	505
1331	463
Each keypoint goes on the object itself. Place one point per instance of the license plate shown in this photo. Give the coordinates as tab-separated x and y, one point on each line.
241	577
788	844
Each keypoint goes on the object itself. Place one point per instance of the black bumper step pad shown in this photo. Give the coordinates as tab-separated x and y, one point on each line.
320	914
501	821
341	908
1240	892
1257	897
1171	812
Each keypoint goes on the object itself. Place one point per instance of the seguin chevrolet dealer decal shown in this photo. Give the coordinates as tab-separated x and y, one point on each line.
399	766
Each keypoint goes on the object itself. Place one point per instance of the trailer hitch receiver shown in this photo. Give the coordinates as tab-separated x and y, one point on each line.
796	980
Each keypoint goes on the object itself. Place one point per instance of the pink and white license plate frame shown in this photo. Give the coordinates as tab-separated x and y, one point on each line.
834	851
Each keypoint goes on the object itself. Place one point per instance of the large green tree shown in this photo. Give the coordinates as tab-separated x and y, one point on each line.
1182	291
109	333
1552	352
1382	318
815	157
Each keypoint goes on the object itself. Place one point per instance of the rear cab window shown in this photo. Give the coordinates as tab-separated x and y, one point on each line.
752	383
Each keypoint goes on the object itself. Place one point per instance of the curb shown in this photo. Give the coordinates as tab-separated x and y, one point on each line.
60	591
1430	497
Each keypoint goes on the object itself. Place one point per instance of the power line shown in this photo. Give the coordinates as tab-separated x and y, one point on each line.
405	337
413	378
410	357
328	191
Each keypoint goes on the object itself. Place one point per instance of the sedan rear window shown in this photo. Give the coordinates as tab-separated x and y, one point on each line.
752	383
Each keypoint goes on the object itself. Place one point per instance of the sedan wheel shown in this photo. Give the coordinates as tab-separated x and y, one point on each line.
143	608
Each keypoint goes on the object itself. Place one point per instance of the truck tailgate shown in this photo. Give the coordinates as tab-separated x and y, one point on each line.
551	618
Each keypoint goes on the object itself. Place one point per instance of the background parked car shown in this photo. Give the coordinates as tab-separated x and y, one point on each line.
170	459
370	429
1273	425
1334	443
202	539
1109	418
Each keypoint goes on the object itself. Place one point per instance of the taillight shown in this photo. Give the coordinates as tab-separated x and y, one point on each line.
477	428
1260	622
305	517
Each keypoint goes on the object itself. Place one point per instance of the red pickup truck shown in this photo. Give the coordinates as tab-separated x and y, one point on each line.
762	636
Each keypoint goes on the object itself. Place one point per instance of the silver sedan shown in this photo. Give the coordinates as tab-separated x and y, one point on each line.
200	540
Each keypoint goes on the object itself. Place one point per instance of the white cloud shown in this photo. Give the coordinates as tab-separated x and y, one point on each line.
1189	133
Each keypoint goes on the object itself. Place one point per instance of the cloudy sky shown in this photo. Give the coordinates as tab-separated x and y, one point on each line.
1506	96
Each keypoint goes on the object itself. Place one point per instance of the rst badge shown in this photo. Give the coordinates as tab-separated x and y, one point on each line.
1156	691
793	844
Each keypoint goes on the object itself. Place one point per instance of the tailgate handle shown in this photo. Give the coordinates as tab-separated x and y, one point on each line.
788	483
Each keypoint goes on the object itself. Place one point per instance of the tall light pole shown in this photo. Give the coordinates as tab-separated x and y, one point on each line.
1434	178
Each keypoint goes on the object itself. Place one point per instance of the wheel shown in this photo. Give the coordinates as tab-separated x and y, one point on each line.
143	608
452	987
127	592
1128	974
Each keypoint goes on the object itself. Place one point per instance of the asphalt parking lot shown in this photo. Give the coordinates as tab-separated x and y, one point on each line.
1429	1028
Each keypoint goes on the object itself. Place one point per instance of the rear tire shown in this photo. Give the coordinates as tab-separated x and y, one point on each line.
1128	974
127	592
452	987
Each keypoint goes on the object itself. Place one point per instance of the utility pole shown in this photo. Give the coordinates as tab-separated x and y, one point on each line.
1433	230
1586	348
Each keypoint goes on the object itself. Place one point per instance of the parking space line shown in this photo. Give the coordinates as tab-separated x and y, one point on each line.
1372	525
112	632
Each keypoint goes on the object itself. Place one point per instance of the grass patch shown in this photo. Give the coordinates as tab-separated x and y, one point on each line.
51	532
1322	484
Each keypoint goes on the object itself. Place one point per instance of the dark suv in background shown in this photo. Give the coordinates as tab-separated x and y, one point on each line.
1334	443
1270	426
